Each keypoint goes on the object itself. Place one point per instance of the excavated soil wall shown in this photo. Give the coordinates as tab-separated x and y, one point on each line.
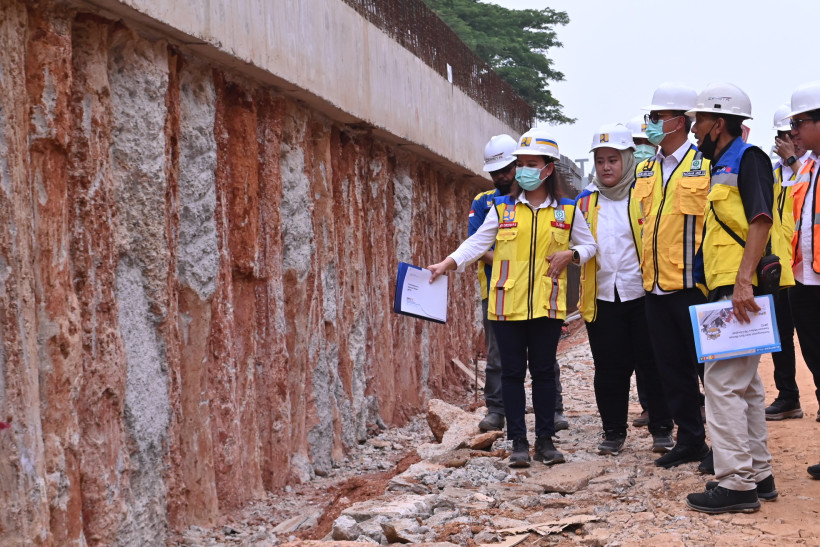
196	283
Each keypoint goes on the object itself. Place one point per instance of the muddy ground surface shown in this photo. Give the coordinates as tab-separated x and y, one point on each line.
622	500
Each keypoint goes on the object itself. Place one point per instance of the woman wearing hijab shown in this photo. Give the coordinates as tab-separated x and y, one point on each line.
536	234
612	294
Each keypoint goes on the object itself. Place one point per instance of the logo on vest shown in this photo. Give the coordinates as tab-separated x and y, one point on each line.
696	164
509	215
561	215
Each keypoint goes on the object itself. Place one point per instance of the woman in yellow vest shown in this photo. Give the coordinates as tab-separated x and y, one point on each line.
612	295
536	236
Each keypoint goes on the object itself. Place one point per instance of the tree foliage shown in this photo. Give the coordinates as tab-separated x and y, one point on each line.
515	44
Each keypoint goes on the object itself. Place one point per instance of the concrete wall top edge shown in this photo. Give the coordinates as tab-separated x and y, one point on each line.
328	53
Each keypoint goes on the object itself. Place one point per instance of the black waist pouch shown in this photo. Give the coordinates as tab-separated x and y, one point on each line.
768	274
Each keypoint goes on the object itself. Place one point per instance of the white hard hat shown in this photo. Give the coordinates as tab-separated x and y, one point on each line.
498	152
781	118
669	96
637	126
537	142
613	135
805	98
723	98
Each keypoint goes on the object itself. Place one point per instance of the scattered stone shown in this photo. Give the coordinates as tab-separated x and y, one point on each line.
485	440
566	478
345	528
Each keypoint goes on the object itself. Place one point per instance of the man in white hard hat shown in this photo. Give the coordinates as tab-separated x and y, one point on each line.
499	162
671	188
804	297
736	230
792	155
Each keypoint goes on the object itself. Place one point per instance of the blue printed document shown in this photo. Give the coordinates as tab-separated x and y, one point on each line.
719	335
417	297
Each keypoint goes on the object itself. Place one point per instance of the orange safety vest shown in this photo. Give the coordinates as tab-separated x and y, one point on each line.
798	194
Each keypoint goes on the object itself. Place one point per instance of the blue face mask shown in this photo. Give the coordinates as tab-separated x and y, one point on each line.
643	152
529	178
654	132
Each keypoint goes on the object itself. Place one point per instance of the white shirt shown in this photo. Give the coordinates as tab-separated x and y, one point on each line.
617	258
477	244
802	270
668	165
670	162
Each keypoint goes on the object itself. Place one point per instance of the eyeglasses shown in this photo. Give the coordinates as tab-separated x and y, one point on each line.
655	118
795	124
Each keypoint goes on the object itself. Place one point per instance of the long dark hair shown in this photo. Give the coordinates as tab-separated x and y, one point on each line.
554	184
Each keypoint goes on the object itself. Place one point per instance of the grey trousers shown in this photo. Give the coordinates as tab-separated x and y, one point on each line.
492	386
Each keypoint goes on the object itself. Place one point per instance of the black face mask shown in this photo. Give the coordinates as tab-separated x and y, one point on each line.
708	147
503	187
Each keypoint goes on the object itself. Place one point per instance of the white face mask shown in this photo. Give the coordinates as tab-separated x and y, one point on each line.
529	178
643	152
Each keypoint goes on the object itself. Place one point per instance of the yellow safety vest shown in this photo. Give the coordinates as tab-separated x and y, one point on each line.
721	252
520	288
587	204
783	227
798	194
672	220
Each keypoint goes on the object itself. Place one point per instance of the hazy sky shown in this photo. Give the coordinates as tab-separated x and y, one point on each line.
616	53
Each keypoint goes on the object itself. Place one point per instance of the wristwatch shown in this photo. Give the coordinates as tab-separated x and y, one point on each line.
576	256
790	160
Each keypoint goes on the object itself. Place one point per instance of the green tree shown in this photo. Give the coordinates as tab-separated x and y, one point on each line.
515	44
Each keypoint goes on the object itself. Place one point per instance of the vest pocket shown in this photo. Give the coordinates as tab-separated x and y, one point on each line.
643	193
692	193
722	257
506	235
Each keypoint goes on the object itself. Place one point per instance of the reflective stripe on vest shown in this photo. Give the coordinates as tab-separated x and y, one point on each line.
783	227
798	194
520	288
672	220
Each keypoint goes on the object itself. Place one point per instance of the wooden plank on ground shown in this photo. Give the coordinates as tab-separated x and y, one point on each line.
468	372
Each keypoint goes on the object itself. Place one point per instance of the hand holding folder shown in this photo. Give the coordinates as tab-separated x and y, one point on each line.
417	297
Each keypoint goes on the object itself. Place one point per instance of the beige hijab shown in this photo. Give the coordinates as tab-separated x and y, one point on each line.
620	190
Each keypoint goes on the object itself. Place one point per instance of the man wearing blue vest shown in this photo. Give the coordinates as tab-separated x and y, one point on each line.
500	164
737	222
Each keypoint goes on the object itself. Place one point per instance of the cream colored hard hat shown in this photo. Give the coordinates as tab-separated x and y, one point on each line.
637	126
498	153
781	118
805	98
671	96
723	98
613	135
538	142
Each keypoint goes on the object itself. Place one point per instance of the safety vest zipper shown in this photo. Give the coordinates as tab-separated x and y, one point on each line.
657	226
532	261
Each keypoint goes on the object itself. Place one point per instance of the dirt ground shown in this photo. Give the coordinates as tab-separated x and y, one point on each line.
792	519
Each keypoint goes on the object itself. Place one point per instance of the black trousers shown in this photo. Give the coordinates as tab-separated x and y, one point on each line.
536	341
619	341
784	364
805	303
673	343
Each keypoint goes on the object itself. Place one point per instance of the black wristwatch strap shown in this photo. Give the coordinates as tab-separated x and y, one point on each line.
790	160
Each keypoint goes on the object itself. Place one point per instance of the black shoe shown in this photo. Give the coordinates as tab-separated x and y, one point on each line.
546	452
492	422
814	471
520	456
766	490
682	454
782	409
612	444
723	500
707	464
662	443
561	422
642	420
